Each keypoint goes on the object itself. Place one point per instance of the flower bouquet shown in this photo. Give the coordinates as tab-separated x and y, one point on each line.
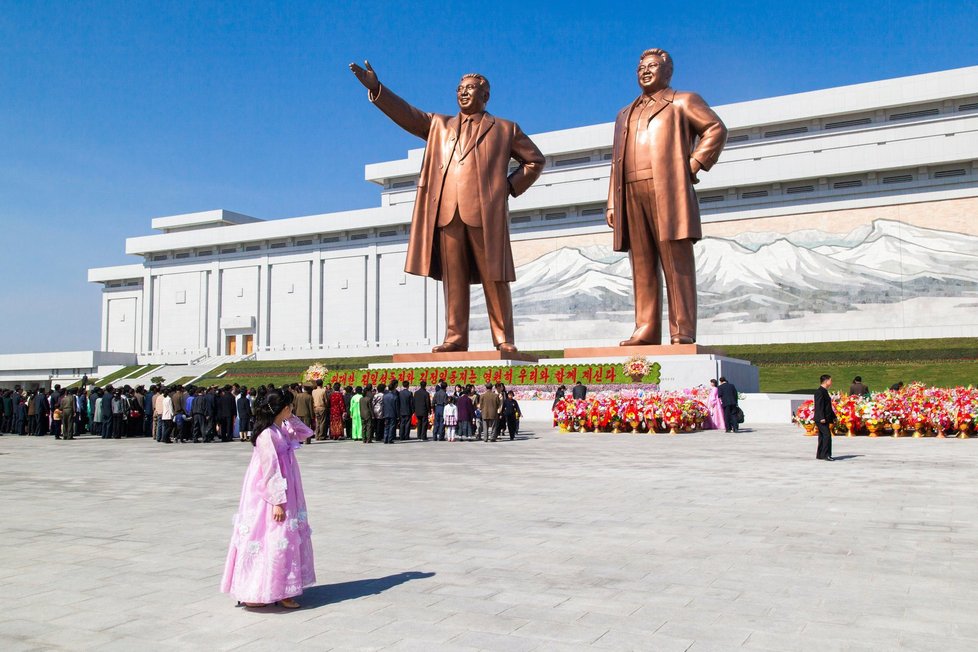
636	368
315	372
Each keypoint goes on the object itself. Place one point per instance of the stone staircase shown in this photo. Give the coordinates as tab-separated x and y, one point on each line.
196	369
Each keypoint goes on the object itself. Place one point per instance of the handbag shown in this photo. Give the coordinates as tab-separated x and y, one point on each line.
739	414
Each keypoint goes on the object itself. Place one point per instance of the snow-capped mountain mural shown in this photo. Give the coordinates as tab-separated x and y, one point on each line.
753	278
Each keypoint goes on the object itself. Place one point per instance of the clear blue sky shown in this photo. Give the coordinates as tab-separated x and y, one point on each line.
112	113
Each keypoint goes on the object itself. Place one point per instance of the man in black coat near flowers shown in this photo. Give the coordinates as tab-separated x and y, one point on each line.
824	418
728	400
422	408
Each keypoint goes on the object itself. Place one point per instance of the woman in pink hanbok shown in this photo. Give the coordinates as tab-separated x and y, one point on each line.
716	409
270	556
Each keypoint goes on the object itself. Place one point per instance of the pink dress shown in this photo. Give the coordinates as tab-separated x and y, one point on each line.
270	561
716	410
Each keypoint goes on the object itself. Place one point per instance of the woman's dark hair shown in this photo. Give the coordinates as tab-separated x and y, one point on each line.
274	402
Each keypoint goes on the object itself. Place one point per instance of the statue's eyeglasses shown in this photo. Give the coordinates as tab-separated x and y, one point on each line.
652	67
467	87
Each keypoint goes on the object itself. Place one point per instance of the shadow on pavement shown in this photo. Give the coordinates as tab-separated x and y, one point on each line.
324	594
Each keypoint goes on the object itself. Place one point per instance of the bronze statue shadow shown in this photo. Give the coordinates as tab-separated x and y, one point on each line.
326	594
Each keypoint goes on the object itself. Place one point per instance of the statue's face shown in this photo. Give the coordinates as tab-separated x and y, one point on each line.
471	96
653	73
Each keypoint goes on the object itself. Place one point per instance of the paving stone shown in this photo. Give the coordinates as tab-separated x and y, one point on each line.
560	542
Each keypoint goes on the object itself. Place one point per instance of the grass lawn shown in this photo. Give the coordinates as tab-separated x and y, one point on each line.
789	368
797	379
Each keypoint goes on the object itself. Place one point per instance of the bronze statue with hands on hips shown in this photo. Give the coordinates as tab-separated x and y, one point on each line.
460	227
663	139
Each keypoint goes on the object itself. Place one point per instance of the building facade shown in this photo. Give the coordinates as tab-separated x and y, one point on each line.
837	214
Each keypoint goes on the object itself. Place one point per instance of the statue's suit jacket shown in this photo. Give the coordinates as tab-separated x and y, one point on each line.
679	119
497	142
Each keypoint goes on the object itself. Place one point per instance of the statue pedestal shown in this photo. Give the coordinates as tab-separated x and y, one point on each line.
651	350
479	358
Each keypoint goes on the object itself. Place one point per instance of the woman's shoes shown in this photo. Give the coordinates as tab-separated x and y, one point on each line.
287	603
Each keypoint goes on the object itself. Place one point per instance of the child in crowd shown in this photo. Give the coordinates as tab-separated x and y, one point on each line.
56	423
450	417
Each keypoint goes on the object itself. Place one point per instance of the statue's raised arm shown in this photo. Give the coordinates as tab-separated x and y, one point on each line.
407	117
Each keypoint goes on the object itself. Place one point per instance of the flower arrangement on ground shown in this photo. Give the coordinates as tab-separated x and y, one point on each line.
637	412
925	411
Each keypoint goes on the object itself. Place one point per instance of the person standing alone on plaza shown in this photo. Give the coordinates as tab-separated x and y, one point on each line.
729	400
270	559
824	418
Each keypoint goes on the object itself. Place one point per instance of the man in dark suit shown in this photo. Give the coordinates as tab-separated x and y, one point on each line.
422	408
210	412
439	402
728	400
405	408
580	391
390	413
824	418
197	412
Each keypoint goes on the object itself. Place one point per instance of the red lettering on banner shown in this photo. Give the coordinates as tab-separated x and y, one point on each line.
572	375
609	374
409	376
534	374
587	375
522	375
559	376
497	375
453	377
487	375
544	375
508	376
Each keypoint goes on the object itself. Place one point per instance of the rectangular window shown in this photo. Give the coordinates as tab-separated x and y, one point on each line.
403	184
908	115
278	245
520	219
205	252
753	194
572	161
970	106
794	190
303	243
252	247
555	216
183	254
331	239
943	174
593	211
159	257
855	183
739	138
359	236
229	250
709	199
787	131
898	178
854	122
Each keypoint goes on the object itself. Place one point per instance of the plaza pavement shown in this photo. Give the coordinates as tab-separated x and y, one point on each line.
553	542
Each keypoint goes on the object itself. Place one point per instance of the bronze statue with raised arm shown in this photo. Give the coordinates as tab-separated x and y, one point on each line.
662	140
460	228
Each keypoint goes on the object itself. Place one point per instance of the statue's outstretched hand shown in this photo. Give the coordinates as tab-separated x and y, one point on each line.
610	218
367	76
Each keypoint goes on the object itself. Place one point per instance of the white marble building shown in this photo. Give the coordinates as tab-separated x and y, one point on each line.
845	213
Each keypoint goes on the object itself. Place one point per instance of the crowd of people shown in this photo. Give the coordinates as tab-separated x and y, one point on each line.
169	414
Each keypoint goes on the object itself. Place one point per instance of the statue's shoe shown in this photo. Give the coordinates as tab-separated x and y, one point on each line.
635	341
449	347
683	340
506	347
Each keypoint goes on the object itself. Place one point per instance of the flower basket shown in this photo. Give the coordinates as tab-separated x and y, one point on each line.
636	368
